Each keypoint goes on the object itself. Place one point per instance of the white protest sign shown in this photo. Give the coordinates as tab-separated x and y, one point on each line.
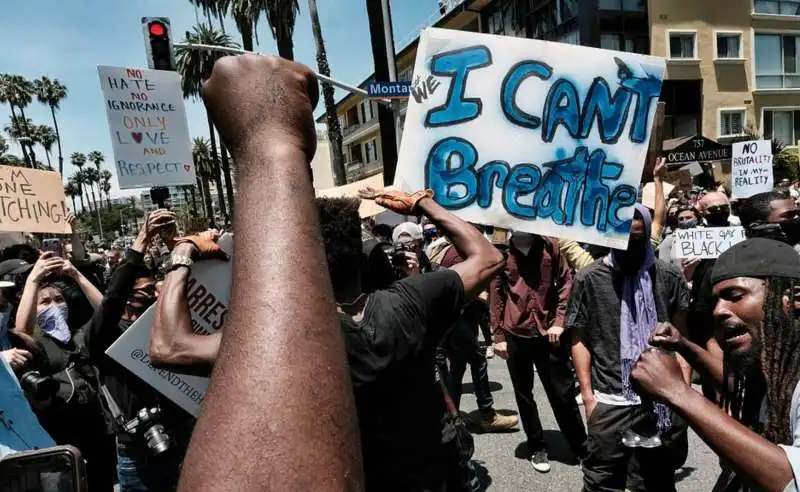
708	242
751	168
531	135
208	293
148	127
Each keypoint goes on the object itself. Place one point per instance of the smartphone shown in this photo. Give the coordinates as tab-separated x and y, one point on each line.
55	245
56	469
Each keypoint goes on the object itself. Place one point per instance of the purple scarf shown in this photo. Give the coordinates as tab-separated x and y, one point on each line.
638	317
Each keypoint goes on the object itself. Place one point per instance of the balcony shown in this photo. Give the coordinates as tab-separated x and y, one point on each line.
357	170
350	129
351	133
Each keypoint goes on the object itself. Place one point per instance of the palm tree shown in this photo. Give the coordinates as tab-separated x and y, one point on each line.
92	178
331	120
203	165
17	130
8	159
96	157
51	93
245	14
18	92
46	137
194	67
71	190
281	15
105	185
78	160
77	181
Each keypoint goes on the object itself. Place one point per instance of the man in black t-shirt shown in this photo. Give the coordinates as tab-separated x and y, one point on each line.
391	337
633	292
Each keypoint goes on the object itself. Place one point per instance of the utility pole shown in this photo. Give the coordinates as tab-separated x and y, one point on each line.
388	31
380	32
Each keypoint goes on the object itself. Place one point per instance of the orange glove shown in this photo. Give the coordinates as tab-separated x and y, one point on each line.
396	201
205	245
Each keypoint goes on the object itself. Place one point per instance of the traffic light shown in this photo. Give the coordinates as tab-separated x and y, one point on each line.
158	43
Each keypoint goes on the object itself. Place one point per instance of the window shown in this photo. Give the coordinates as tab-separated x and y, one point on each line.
777	61
729	45
782	125
682	45
366	111
620	43
405	75
626	5
371	151
777	7
501	21
731	122
572	37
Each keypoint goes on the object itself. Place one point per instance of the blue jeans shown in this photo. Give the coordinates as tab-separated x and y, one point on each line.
138	471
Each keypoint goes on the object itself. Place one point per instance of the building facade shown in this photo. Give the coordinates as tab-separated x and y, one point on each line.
732	65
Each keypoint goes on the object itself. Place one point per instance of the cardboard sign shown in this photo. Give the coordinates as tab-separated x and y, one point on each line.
148	127
32	201
708	242
208	293
751	168
542	137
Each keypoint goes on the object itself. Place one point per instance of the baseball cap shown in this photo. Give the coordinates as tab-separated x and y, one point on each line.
11	268
408	228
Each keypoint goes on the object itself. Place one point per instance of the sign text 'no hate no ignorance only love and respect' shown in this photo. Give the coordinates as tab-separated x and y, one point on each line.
149	133
207	295
541	137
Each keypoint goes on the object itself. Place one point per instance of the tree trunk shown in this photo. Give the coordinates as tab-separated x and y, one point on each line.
49	164
58	140
245	26
331	119
80	194
285	45
108	201
207	198
89	202
28	134
215	158
220	195
74	208
193	202
94	199
24	150
226	169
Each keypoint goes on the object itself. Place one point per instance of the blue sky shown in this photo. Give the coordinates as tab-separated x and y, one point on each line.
68	39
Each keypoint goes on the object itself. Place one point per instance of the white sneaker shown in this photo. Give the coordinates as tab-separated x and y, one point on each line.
489	352
540	462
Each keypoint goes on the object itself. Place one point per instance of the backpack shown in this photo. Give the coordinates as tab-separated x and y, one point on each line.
78	383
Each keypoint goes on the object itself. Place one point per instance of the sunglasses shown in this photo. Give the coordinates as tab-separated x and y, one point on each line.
718	209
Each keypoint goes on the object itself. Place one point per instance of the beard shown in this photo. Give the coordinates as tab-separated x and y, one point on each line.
746	363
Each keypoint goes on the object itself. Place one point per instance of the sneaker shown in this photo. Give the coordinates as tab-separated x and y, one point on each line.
489	352
540	462
491	421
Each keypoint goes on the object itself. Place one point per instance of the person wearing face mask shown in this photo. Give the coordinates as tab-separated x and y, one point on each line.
527	303
772	215
716	209
686	218
614	305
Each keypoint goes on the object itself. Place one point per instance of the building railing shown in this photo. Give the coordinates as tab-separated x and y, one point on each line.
357	170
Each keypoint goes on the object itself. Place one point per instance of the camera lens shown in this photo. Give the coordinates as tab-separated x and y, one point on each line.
157	439
37	386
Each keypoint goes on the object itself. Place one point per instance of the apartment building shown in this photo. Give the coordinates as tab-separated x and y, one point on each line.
731	64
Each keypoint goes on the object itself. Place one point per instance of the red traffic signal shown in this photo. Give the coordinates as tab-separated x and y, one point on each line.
156	29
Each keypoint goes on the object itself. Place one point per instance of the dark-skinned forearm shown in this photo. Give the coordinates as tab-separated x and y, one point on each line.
705	363
282	358
172	341
760	462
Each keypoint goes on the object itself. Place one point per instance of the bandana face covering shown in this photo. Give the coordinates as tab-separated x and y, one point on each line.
53	321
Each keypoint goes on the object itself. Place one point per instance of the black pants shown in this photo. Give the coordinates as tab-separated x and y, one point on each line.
611	466
555	372
461	348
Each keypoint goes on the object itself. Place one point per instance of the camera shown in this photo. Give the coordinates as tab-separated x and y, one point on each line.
38	387
399	254
147	424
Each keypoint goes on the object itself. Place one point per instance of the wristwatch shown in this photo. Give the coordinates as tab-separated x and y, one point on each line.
176	261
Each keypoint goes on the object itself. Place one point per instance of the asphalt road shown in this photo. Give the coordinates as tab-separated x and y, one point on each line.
498	454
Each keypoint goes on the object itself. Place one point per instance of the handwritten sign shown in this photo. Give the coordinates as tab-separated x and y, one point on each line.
530	135
751	168
709	242
208	293
32	201
148	127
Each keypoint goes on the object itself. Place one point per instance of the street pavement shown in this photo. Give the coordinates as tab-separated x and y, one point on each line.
500	455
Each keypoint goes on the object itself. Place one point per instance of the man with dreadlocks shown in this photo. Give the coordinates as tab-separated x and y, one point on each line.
757	430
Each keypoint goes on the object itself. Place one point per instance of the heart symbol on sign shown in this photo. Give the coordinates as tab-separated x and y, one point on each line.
137	136
187	167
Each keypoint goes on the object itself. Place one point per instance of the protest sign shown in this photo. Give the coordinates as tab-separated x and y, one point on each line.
751	168
148	127
708	242
208	293
523	134
32	201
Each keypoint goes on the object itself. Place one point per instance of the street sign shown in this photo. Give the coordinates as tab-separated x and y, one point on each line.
389	90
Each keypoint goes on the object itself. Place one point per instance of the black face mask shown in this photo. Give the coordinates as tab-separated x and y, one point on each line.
631	260
791	228
718	218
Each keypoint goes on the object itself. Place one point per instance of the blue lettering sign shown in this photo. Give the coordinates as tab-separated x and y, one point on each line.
457	64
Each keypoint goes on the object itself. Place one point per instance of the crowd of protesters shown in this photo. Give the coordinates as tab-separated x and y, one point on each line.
350	377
